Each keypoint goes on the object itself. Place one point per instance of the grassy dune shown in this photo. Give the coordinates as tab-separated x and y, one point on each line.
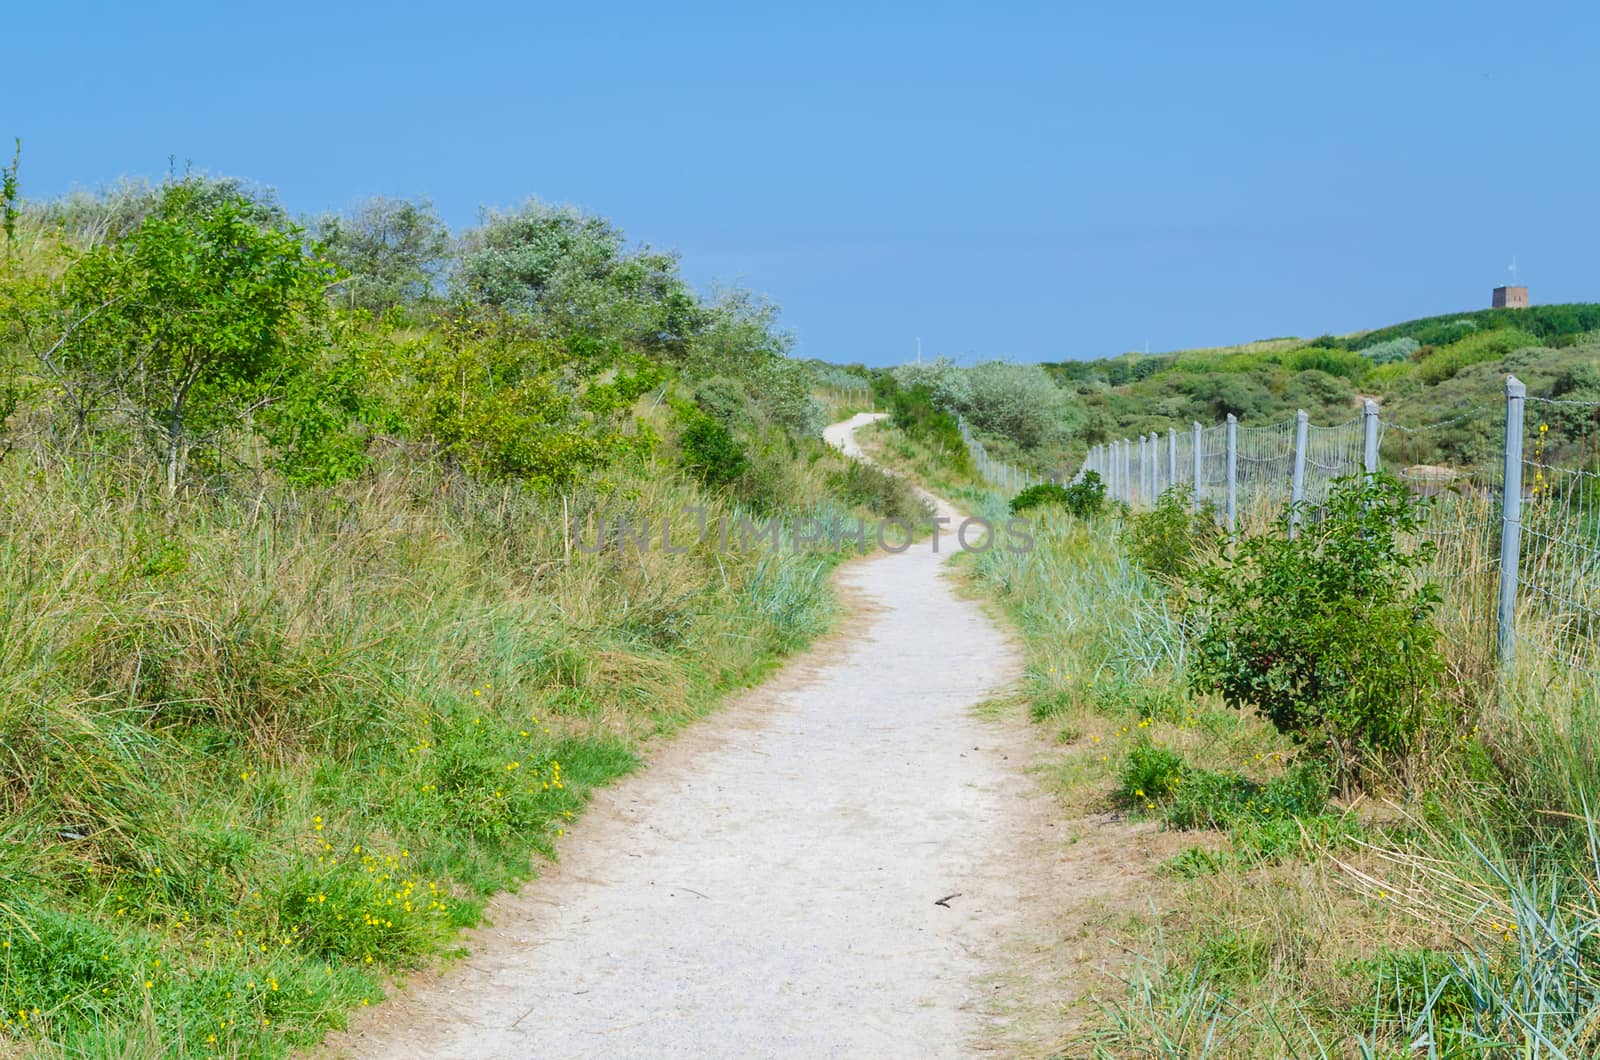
261	752
1455	905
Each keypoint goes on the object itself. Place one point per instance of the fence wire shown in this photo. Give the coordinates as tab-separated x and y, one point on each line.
1446	463
1331	453
1558	605
1265	472
1457	465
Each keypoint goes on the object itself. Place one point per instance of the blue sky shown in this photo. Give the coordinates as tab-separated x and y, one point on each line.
1029	181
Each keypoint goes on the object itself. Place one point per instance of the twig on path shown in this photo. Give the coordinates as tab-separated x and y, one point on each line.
945	901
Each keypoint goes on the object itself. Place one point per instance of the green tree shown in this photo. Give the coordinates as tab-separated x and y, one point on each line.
10	196
740	337
501	402
197	320
392	250
573	273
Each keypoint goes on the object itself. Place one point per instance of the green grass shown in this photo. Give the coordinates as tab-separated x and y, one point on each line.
1459	903
259	753
1455	379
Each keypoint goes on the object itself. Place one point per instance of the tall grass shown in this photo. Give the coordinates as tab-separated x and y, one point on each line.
259	750
1452	916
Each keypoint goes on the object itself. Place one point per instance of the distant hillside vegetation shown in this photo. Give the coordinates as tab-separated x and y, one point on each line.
1422	371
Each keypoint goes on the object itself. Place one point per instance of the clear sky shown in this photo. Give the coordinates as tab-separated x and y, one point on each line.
1030	181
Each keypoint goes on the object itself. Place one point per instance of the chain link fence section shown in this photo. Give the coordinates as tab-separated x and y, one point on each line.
1515	526
997	473
1514	523
1462	520
1555	632
1331	453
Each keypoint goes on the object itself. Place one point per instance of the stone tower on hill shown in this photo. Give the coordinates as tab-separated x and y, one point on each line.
1509	298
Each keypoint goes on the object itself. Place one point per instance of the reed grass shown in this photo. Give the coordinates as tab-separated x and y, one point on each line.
260	750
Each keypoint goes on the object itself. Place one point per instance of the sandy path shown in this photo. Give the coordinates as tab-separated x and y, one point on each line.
767	886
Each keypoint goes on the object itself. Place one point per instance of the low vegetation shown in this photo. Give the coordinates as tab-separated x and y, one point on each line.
333	577
1084	497
1388	855
1423	372
1328	632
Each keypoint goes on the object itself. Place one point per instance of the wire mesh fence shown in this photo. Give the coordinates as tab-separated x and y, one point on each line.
1556	627
1331	453
1513	526
1515	556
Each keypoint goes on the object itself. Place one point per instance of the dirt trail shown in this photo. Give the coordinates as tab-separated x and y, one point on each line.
768	885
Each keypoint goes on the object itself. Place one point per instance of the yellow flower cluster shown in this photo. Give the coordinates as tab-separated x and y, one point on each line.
1541	485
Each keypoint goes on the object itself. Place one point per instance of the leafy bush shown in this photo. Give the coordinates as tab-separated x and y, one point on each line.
1482	346
1384	376
1327	634
915	410
504	405
708	449
1392	350
941	381
572	272
740	338
1084	498
1335	362
881	493
1168	539
1019	402
723	399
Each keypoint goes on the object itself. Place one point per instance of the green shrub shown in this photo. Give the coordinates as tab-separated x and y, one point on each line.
1384	376
1150	774
1170	538
708	449
1019	402
1038	495
1084	498
768	479
1327	634
881	493
1392	351
916	411
1336	362
499	402
1476	348
723	399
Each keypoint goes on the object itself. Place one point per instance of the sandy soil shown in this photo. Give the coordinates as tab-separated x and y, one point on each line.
846	861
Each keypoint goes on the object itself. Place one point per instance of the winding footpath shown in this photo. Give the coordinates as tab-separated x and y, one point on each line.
770	884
